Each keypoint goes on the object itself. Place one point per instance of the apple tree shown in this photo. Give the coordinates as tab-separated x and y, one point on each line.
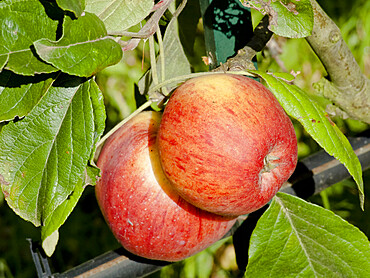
55	116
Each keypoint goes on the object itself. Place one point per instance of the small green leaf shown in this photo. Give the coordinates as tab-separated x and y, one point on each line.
119	15
45	155
294	238
288	18
84	48
75	6
19	94
49	243
256	17
317	123
22	23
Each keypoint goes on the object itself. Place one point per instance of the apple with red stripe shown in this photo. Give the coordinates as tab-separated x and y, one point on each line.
144	212
226	144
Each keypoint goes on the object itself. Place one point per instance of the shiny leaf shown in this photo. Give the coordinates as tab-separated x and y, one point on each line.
84	48
75	6
119	15
23	22
44	162
19	94
294	238
288	18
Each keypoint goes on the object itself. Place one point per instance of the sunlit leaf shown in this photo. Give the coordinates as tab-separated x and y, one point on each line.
119	15
44	157
22	23
288	18
84	48
56	219
294	238
75	6
19	94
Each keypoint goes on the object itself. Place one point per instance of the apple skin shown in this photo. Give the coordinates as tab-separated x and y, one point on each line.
226	144
145	215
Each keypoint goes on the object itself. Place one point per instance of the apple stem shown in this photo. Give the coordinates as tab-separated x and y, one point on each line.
125	120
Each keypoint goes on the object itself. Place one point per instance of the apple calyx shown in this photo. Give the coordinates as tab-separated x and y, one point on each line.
269	164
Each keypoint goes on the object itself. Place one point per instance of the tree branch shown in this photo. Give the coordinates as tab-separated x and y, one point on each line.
346	86
243	59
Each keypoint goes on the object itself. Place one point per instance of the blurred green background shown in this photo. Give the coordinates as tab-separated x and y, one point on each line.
85	234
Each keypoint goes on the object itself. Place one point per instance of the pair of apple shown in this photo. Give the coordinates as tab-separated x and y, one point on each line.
173	184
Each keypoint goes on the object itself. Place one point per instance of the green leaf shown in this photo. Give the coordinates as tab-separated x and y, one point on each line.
75	6
175	60
45	155
49	231
317	123
84	48
294	238
256	17
292	19
119	15
22	23
19	94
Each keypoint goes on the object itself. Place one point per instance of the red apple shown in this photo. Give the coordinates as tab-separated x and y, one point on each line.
144	213
226	144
